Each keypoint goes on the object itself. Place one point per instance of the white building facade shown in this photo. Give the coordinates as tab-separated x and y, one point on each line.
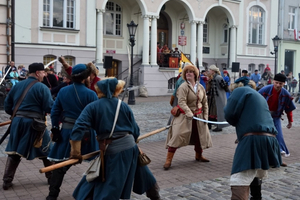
214	31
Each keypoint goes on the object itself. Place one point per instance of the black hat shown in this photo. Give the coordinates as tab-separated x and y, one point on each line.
244	71
36	67
280	77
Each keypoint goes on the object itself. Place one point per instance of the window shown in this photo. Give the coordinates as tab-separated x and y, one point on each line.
292	14
49	58
261	68
205	31
70	60
59	13
251	68
225	33
112	19
223	65
256	25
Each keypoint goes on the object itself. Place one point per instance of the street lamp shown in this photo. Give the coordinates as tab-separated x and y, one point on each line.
132	29
276	40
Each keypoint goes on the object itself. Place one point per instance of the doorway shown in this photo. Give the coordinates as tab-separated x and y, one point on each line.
289	61
113	71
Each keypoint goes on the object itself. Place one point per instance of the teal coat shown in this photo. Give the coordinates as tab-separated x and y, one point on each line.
248	111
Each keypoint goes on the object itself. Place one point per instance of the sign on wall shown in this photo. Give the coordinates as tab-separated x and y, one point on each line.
182	40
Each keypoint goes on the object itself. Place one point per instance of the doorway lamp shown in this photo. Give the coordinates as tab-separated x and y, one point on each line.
132	29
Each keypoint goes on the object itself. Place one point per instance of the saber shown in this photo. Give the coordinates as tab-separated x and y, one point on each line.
53	61
68	162
152	133
5	75
86	156
212	122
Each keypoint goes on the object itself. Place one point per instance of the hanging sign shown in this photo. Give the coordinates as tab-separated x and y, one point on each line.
182	40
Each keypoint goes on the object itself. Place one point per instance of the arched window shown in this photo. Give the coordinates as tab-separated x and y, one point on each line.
256	25
225	33
251	68
112	19
261	68
70	60
205	31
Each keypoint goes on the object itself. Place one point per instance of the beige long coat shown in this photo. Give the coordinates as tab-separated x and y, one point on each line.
181	130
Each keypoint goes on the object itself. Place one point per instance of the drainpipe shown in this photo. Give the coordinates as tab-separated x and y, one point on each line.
13	30
7	32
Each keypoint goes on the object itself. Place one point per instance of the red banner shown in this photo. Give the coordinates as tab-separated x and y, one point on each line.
182	40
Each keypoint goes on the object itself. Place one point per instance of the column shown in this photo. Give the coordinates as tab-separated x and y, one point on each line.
99	41
232	44
200	43
153	58
193	42
146	40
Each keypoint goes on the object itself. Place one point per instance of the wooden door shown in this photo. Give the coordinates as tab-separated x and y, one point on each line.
112	72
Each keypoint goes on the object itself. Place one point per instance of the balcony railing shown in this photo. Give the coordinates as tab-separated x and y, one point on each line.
169	60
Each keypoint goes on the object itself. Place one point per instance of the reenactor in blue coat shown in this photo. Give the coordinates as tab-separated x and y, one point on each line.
68	105
258	148
23	134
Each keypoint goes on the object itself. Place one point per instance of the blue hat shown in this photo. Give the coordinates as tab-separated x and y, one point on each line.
245	80
78	69
108	86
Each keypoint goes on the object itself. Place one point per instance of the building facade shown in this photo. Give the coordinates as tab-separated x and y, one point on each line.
209	31
288	32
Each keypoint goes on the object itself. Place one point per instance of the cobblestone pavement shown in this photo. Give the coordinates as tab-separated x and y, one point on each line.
187	179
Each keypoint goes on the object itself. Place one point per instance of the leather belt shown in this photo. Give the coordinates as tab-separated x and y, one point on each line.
103	143
260	133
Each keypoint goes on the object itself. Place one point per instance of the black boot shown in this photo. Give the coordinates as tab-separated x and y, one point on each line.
47	163
56	181
11	166
255	189
153	193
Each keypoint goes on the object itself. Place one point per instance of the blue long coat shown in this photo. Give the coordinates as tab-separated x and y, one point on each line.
285	103
121	169
67	105
38	99
248	111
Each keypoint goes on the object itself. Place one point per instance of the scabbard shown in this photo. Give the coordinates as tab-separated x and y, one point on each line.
5	134
102	165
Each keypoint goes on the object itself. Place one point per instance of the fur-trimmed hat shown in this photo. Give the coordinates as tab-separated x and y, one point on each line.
192	68
214	68
109	87
244	71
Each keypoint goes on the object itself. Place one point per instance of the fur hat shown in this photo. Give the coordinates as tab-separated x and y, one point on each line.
36	67
109	87
280	77
190	67
244	71
241	84
214	68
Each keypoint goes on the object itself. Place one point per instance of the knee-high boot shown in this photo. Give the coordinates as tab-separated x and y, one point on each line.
153	193
170	155
239	192
47	163
255	189
11	166
56	181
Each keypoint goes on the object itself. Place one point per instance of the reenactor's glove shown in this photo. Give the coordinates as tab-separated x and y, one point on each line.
56	136
76	150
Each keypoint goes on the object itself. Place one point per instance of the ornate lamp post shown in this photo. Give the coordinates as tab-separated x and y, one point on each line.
132	29
276	40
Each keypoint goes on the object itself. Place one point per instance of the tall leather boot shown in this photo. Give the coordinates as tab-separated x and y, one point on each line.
170	155
153	193
56	181
47	163
255	189
11	166
201	158
239	192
